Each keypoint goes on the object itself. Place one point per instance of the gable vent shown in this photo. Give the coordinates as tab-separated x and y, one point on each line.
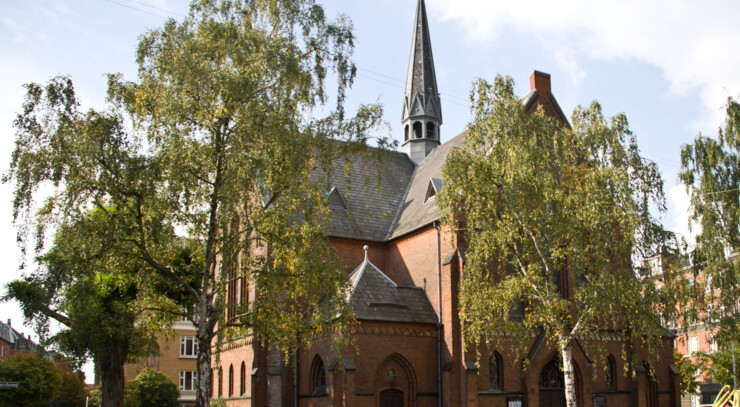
335	199
435	185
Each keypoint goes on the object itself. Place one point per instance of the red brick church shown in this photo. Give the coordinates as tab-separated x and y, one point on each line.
405	271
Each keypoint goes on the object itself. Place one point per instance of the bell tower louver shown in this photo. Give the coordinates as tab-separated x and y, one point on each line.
422	110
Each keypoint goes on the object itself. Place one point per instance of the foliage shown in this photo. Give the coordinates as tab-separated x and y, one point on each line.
151	388
72	392
87	281
216	138
710	170
687	373
39	380
718	364
555	220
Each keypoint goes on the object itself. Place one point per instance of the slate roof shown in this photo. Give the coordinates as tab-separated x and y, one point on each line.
375	297
6	333
18	341
414	212
372	186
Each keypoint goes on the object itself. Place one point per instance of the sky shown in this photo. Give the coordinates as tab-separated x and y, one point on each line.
669	66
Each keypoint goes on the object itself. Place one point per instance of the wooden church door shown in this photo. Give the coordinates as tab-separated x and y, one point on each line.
391	398
552	386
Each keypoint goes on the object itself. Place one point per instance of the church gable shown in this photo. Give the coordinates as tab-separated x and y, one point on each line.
541	95
375	297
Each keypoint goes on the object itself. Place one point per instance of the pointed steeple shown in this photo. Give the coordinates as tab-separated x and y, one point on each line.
422	109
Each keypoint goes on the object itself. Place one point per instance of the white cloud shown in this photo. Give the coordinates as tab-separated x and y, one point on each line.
692	43
677	218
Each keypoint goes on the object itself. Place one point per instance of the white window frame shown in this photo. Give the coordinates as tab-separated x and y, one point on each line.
188	347
712	343
692	345
188	380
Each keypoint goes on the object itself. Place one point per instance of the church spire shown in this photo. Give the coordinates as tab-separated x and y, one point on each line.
422	110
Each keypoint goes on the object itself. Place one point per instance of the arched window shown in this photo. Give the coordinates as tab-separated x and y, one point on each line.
431	134
243	380
552	376
220	382
210	384
417	129
610	371
406	133
652	390
318	376
231	380
495	372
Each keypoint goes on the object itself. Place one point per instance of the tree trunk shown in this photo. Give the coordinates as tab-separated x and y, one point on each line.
203	391
569	374
111	370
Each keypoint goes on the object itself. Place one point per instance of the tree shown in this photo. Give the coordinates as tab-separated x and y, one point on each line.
38	380
151	389
72	392
710	170
87	283
687	373
216	139
545	207
719	365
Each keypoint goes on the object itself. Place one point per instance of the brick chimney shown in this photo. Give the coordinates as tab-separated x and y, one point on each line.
540	81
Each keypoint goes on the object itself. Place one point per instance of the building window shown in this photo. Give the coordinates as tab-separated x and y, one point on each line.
188	380
187	312
231	380
693	345
188	346
220	382
712	343
495	371
406	133
318	376
417	130
210	384
430	131
243	380
610	373
690	316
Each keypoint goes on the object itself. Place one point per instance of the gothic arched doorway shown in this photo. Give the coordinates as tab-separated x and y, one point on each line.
395	382
552	385
391	398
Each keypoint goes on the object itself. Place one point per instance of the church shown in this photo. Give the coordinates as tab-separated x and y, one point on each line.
405	269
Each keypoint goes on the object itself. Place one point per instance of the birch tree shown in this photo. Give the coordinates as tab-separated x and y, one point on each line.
219	138
710	171
544	207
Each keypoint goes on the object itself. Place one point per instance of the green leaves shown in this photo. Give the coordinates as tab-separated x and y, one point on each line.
710	170
215	144
553	217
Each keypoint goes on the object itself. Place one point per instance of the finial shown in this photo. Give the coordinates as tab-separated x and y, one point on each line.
366	247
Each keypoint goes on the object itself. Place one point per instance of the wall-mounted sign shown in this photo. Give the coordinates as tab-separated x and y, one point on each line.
514	402
8	385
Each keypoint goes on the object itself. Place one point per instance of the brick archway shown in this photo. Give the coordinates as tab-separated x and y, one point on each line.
395	380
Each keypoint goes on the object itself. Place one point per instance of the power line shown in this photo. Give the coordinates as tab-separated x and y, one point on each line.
138	9
157	8
402	82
